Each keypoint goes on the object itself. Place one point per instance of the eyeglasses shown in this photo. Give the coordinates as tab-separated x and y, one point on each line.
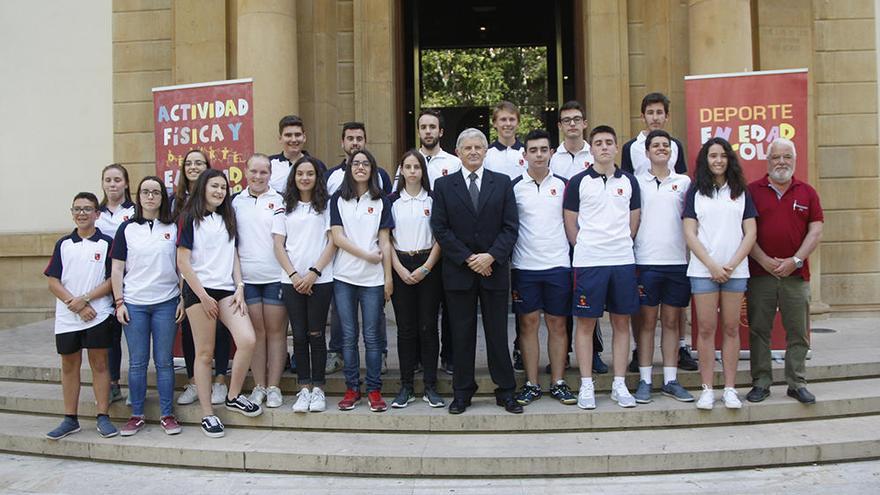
363	164
571	120
87	210
151	193
195	163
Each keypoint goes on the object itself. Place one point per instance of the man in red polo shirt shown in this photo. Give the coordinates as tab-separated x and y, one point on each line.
789	229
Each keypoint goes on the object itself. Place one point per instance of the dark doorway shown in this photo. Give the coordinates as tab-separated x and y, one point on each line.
462	57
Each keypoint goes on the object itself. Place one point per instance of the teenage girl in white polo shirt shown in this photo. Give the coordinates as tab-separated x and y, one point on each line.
255	207
303	248
116	207
417	289
360	219
147	299
720	229
192	165
213	290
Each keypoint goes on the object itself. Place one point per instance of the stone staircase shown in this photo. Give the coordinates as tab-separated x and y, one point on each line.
548	439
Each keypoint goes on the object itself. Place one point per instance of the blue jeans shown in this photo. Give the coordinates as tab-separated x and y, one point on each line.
146	321
372	303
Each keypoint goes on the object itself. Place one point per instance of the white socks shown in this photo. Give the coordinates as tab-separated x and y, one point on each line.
619	381
670	374
681	343
645	374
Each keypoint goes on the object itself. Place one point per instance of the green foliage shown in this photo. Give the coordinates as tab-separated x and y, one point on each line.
481	77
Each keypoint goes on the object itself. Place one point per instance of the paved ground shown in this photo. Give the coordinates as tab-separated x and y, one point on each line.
23	474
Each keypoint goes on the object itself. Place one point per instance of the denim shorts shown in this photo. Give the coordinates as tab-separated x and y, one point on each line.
705	285
263	294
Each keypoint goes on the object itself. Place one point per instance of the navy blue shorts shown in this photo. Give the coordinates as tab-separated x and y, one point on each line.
263	294
548	290
597	288
664	284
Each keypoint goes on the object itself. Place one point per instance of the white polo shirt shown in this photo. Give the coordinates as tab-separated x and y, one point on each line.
567	165
109	221
541	243
719	227
361	220
603	205
337	173
149	250
253	220
412	221
81	265
660	239
439	165
506	160
213	252
280	171
306	233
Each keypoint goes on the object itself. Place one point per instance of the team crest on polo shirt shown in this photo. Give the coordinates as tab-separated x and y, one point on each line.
620	191
271	206
675	187
553	191
97	256
124	218
521	162
445	171
167	236
586	164
370	210
427	212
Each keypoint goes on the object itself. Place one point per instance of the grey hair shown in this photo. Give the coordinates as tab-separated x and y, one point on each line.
471	133
259	156
781	140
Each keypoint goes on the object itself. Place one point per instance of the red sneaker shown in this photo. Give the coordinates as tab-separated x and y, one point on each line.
170	425
377	403
134	425
350	400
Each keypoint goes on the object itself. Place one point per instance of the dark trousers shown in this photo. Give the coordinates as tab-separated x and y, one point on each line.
308	319
446	352
463	322
222	348
115	353
415	308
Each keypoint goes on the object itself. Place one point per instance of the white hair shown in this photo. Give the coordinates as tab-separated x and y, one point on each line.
782	141
471	133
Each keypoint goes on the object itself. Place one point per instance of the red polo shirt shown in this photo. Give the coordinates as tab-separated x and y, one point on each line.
782	222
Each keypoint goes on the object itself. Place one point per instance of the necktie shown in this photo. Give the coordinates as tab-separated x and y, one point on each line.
472	189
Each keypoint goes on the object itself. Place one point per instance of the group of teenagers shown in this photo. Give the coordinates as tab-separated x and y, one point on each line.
565	232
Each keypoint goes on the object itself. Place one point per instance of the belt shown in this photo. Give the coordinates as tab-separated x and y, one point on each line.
414	253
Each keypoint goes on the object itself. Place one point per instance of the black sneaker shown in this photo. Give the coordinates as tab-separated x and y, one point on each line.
517	362
243	405
404	397
549	370
634	364
433	398
563	394
685	361
528	394
212	427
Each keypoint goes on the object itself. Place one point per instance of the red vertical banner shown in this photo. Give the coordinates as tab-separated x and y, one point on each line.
749	110
215	117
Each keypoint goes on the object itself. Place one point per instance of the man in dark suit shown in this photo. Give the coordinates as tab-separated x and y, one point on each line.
475	221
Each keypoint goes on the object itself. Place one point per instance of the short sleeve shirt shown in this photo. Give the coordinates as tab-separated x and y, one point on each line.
149	250
541	243
506	160
412	221
253	219
361	219
567	165
660	239
109	221
305	231
213	252
719	227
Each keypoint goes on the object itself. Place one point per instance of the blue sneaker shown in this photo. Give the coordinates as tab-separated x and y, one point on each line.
105	427
68	426
643	393
599	366
676	391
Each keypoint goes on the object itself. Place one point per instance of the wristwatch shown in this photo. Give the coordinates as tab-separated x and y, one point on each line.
799	263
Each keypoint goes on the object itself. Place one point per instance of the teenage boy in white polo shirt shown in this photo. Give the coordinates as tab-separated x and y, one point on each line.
541	269
292	136
572	157
601	218
661	258
634	159
79	278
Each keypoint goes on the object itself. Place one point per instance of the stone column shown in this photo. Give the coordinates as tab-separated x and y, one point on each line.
199	48
266	50
720	34
606	64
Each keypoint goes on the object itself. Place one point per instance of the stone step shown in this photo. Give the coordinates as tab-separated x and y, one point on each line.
835	399
427	454
391	381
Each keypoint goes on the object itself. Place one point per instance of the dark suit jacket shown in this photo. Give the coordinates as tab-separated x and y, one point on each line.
462	231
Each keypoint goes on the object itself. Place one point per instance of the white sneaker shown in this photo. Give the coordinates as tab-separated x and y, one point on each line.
258	395
587	396
707	398
303	398
621	395
219	393
731	400
318	403
189	395
274	397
